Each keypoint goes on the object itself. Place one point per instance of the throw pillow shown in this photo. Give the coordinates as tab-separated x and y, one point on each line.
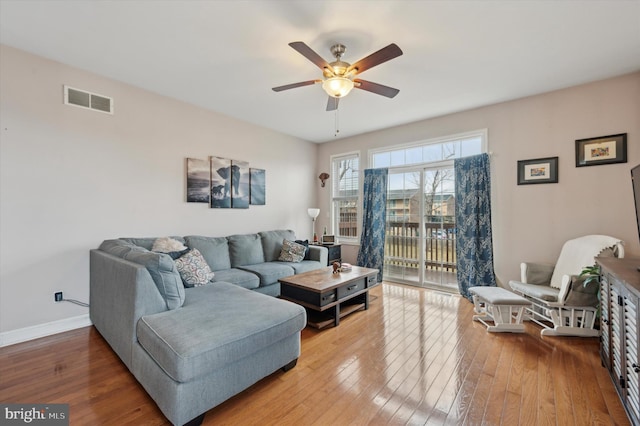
177	254
291	252
167	245
305	243
193	269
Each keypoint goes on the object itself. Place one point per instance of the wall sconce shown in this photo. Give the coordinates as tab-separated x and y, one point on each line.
323	177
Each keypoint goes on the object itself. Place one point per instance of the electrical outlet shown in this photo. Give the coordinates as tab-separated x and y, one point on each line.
58	296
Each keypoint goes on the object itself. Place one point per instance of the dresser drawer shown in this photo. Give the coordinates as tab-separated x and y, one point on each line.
350	288
311	297
372	281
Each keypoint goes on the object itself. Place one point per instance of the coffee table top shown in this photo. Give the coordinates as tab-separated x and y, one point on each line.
323	279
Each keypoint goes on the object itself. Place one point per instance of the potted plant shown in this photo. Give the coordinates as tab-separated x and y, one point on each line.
591	274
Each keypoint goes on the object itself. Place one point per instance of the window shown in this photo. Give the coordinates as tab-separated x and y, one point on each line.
345	187
431	151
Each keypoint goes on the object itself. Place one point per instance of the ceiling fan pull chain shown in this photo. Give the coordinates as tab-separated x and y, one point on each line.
337	123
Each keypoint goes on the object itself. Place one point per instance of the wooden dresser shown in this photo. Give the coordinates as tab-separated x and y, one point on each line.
619	301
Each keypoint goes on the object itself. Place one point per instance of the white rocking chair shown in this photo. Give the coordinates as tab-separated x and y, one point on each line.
561	304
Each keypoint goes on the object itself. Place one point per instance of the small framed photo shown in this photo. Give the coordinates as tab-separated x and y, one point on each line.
328	239
538	170
601	150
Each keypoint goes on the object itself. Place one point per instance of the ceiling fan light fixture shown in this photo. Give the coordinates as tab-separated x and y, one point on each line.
337	87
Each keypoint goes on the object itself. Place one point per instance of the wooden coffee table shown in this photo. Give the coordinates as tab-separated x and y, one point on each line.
328	296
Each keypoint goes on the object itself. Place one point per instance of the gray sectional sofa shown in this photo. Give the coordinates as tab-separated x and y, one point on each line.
193	348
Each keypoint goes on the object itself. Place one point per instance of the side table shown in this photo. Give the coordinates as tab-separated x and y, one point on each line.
335	253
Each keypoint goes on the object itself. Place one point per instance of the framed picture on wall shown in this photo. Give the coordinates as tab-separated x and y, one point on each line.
239	184
197	180
538	170
257	187
601	150
220	182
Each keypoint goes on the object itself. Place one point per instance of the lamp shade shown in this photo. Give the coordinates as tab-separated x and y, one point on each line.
337	87
313	213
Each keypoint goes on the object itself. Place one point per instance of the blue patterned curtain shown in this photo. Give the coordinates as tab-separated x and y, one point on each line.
474	247
371	253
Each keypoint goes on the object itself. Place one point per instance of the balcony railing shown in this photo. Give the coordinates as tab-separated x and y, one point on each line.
404	241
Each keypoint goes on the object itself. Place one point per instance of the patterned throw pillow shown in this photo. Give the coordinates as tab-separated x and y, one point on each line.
167	245
291	252
193	269
305	243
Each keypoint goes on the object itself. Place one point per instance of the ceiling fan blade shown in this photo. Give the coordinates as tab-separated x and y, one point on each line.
294	85
332	103
376	88
383	55
310	54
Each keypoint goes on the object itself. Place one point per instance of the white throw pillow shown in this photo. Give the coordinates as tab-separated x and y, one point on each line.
167	245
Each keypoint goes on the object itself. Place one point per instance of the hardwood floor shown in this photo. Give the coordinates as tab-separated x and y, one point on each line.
415	357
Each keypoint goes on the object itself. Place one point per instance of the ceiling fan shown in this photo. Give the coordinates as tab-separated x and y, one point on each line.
339	76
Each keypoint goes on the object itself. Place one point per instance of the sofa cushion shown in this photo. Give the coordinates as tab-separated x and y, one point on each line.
542	292
245	250
272	243
292	252
252	322
305	243
304	266
214	250
269	272
238	277
193	269
161	267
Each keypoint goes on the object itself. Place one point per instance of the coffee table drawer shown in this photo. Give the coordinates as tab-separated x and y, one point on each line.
314	298
350	288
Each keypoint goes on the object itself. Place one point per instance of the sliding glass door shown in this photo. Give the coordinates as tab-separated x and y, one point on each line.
420	246
439	225
403	241
420	238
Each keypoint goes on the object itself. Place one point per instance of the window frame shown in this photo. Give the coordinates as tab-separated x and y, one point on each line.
483	134
335	198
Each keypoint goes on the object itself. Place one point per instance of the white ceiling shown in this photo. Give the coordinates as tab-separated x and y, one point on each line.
226	55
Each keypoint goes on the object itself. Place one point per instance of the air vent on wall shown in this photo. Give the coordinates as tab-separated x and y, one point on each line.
84	99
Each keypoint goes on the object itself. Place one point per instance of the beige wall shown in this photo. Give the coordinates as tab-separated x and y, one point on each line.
71	178
531	222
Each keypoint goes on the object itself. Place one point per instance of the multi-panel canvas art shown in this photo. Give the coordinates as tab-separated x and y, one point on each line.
221	176
224	183
197	180
257	187
240	184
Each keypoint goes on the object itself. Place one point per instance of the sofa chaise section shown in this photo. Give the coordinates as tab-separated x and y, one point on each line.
222	332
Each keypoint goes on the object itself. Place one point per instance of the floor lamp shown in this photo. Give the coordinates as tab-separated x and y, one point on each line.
313	214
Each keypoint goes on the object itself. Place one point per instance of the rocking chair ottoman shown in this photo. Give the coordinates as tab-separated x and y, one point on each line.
504	308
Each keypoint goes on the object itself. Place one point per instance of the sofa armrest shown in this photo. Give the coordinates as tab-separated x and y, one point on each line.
319	254
120	293
536	273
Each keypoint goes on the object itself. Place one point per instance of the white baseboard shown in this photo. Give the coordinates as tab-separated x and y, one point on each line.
42	330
